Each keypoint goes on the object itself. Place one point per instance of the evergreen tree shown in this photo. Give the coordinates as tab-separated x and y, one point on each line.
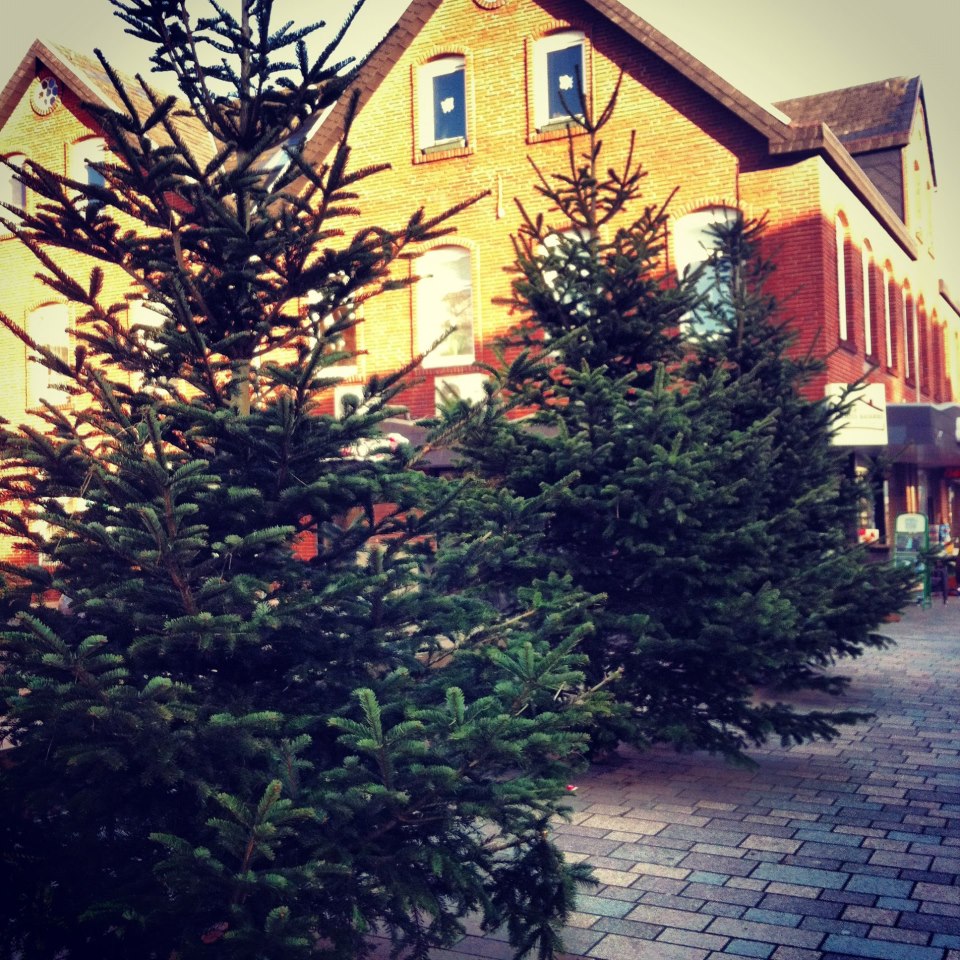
675	504
215	746
809	489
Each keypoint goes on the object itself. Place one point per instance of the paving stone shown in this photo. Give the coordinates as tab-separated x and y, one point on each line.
603	906
896	903
804	876
690	938
880	949
920	937
749	948
869	915
881	886
628	928
727	866
686	920
747	898
615	947
673	902
805	907
938	892
778	917
891	859
827	925
773	844
765	932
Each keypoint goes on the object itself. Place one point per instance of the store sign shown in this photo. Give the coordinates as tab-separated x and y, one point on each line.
865	424
911	538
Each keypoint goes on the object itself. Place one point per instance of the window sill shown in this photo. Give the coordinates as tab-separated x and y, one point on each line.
849	345
443	151
448	363
556	130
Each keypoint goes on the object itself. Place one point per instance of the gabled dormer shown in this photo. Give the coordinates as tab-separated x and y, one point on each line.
883	125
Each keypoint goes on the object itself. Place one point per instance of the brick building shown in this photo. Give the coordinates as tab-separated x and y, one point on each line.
462	92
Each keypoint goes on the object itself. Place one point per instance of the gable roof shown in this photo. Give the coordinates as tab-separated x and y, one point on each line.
785	136
866	117
766	120
85	76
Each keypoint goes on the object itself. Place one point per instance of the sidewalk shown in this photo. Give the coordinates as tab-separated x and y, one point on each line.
825	851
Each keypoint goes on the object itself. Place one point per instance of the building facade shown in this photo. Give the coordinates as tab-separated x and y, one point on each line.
462	95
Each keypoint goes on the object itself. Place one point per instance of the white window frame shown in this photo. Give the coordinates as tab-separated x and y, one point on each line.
82	154
425	290
49	326
907	359
692	241
462	386
14	190
541	94
347	368
441	66
843	329
887	318
867	303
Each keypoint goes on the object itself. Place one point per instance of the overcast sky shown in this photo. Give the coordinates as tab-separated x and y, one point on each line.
770	49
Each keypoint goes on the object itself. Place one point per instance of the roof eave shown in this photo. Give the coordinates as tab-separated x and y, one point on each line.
821	140
762	119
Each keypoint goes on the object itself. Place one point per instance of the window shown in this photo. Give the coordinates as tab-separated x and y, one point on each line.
867	301
337	329
888	319
924	380
909	343
49	327
559	79
696	247
843	328
442	104
463	386
83	154
444	303
12	190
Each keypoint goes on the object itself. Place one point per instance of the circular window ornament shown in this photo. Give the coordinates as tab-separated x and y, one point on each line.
45	95
490	4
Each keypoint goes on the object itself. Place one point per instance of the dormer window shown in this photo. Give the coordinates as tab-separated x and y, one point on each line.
443	104
560	79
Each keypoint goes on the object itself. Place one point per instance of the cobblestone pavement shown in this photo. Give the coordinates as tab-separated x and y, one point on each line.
825	851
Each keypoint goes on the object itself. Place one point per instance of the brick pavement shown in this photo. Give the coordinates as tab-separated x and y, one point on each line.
824	851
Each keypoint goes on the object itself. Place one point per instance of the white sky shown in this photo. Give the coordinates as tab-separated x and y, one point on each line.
770	49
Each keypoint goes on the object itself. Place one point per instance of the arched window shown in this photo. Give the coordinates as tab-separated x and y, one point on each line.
444	302
909	338
49	327
559	78
843	328
12	190
442	102
869	346
888	317
924	378
697	241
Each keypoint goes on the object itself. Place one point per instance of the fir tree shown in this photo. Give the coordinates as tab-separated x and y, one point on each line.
676	505
212	743
809	490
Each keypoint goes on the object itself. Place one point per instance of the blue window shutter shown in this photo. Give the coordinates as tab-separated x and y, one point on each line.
564	80
449	107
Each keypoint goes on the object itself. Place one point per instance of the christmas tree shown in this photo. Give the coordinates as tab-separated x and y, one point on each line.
809	490
682	501
267	715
